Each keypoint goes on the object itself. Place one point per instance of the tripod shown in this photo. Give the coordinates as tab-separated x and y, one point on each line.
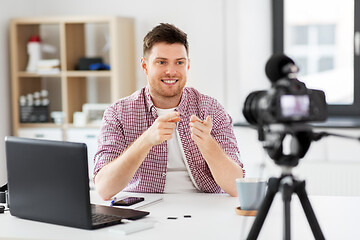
287	185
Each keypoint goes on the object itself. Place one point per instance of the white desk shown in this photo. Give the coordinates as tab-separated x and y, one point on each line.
212	217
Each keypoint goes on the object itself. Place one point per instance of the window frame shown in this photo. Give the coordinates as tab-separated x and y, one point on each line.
352	110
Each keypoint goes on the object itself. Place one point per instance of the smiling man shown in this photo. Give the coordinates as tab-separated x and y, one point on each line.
166	137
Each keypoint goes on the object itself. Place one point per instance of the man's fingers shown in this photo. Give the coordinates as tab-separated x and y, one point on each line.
175	119
171	117
166	127
194	118
198	125
196	132
208	119
166	130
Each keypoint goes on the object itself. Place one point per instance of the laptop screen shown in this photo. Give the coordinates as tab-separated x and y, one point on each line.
48	181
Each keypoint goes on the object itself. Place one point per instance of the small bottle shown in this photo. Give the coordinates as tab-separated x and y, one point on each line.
36	95
30	99
34	51
44	93
22	101
45	102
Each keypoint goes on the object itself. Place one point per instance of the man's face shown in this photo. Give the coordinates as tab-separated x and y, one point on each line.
166	67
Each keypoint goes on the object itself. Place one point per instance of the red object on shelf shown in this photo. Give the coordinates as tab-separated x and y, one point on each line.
34	38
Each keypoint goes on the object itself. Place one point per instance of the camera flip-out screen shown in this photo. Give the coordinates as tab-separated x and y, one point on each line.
295	105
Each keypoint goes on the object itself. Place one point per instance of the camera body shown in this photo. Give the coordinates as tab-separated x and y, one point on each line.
287	101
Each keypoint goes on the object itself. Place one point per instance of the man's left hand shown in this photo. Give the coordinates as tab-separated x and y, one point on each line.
200	130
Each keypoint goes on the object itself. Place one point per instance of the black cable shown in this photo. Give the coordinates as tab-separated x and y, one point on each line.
320	135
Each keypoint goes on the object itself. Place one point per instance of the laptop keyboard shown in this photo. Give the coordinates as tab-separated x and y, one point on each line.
98	218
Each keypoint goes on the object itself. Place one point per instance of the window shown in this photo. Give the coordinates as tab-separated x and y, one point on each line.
320	37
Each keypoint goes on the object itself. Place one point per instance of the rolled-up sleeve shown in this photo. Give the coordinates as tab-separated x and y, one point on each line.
111	140
223	133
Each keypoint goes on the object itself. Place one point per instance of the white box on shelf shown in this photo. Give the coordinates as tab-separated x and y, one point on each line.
41	133
94	112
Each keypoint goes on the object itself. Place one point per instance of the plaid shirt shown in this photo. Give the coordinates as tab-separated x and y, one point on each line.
126	119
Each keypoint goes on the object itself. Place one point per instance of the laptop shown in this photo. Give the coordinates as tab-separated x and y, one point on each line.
48	181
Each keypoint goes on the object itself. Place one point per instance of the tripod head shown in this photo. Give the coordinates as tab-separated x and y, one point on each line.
274	135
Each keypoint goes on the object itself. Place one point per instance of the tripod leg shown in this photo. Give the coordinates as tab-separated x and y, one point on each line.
309	212
287	191
287	232
273	187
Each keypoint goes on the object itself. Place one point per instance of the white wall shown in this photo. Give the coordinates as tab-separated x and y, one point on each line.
248	29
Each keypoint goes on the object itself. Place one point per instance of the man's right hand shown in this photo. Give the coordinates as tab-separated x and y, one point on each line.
162	129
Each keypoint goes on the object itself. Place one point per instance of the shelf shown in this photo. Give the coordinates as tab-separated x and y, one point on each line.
73	37
95	126
74	73
40	125
88	73
32	75
53	125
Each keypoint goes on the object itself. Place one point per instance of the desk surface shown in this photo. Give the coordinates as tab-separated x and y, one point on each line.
212	217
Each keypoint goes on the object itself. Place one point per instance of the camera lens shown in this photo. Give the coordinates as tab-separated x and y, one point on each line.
251	107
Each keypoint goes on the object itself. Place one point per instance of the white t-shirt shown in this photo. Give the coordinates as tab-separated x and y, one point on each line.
178	176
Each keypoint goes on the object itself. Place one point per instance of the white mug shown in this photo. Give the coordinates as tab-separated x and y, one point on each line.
251	192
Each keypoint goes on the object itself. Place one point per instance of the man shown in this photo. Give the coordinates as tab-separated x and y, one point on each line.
166	137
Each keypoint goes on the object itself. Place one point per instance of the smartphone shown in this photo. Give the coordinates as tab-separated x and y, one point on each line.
128	201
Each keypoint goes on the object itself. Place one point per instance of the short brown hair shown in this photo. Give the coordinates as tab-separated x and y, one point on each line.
167	33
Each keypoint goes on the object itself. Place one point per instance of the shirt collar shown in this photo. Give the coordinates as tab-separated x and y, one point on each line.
149	103
152	109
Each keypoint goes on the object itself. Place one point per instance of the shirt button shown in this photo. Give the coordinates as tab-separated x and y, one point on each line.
163	174
165	148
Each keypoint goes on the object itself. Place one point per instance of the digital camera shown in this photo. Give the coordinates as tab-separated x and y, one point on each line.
288	100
